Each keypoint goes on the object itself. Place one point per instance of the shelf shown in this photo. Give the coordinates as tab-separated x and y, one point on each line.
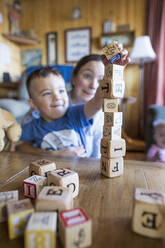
9	85
21	40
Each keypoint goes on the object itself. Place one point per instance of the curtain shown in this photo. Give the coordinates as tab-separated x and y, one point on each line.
154	73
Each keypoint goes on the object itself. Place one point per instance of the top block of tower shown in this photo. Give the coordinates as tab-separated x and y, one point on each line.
112	52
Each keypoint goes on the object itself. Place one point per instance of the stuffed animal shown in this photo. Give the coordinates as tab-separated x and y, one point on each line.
10	130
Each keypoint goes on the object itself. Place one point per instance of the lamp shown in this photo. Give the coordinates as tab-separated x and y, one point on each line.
142	52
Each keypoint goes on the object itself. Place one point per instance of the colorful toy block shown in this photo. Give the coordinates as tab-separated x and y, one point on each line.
112	132
113	167
18	215
114	72
33	185
54	198
65	178
41	167
41	230
75	228
110	105
112	52
113	119
5	197
148	214
113	148
112	89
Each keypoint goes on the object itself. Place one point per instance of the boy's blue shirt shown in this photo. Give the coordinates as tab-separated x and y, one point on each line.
61	133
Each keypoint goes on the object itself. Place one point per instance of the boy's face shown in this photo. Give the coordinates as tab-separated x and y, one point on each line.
159	135
49	96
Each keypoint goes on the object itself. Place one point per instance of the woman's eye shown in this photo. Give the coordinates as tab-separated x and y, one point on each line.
46	94
87	76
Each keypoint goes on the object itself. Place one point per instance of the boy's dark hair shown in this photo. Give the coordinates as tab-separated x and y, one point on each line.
41	72
84	60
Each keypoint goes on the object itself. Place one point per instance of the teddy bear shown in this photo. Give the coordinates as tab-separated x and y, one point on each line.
10	130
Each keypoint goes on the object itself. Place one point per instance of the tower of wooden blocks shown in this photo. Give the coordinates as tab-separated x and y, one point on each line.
112	89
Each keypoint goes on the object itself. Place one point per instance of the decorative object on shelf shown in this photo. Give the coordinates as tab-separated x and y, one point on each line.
126	38
29	34
142	52
14	16
76	13
31	57
108	26
77	43
51	41
124	27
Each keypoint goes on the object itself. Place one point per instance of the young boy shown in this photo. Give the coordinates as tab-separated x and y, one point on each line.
60	129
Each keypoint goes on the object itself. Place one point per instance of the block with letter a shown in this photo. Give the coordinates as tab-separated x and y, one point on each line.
149	213
75	228
112	167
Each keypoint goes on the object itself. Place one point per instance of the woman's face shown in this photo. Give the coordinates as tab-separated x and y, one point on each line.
87	81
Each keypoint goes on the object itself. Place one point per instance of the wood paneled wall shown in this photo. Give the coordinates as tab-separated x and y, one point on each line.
45	16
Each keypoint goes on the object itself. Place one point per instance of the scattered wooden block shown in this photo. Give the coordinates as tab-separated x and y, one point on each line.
18	215
149	213
113	167
112	52
65	178
112	132
113	148
41	167
113	119
54	198
114	72
75	228
5	197
111	88
33	185
41	230
110	105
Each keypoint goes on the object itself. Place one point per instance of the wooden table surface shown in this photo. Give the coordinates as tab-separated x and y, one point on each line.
109	202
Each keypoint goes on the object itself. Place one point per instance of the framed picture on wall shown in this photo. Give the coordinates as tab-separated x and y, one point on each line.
124	37
77	43
51	41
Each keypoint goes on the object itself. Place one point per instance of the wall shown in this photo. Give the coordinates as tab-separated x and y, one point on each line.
45	16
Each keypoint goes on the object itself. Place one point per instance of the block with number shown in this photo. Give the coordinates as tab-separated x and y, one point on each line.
112	52
113	119
33	185
75	228
41	230
5	197
54	198
66	178
112	132
113	167
110	105
113	148
41	167
112	88
19	213
114	72
149	213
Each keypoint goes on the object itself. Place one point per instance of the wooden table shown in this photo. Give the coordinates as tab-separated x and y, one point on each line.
108	202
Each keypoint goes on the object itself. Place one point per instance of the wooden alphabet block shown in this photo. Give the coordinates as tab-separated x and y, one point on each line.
33	185
113	167
112	89
149	214
54	198
112	132
5	197
41	167
75	228
65	178
112	52
18	215
113	148
114	72
113	119
41	230
110	105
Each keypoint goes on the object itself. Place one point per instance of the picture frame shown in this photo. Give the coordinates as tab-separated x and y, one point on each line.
31	57
126	38
52	44
77	44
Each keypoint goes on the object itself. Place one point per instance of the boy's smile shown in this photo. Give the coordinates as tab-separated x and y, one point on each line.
49	96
